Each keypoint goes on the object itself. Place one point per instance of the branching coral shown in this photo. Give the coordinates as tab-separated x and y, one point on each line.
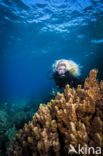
72	118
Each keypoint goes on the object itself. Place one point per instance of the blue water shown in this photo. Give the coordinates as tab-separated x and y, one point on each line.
34	33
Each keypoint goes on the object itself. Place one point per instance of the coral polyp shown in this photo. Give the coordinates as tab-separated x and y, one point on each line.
74	117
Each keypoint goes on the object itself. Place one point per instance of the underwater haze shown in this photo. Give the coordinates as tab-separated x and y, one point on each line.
35	33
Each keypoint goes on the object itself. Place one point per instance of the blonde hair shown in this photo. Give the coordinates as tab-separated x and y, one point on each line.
70	65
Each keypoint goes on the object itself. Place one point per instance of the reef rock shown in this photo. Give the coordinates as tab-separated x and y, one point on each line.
73	118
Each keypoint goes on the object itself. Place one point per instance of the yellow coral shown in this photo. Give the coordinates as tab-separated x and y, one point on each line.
73	117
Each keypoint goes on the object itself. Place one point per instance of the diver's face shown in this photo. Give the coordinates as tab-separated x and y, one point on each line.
61	70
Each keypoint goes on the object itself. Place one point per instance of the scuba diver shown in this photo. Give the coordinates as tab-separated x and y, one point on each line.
66	72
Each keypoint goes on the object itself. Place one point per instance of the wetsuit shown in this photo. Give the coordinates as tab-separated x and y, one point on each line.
68	78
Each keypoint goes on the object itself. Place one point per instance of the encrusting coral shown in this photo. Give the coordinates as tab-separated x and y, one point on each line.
72	118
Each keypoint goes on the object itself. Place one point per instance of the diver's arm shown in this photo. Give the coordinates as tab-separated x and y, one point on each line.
55	76
72	80
75	81
58	81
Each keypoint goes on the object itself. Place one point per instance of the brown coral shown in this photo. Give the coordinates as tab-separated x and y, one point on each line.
73	117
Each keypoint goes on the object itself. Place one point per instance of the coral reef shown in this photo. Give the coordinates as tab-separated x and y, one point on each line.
3	127
72	118
13	116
